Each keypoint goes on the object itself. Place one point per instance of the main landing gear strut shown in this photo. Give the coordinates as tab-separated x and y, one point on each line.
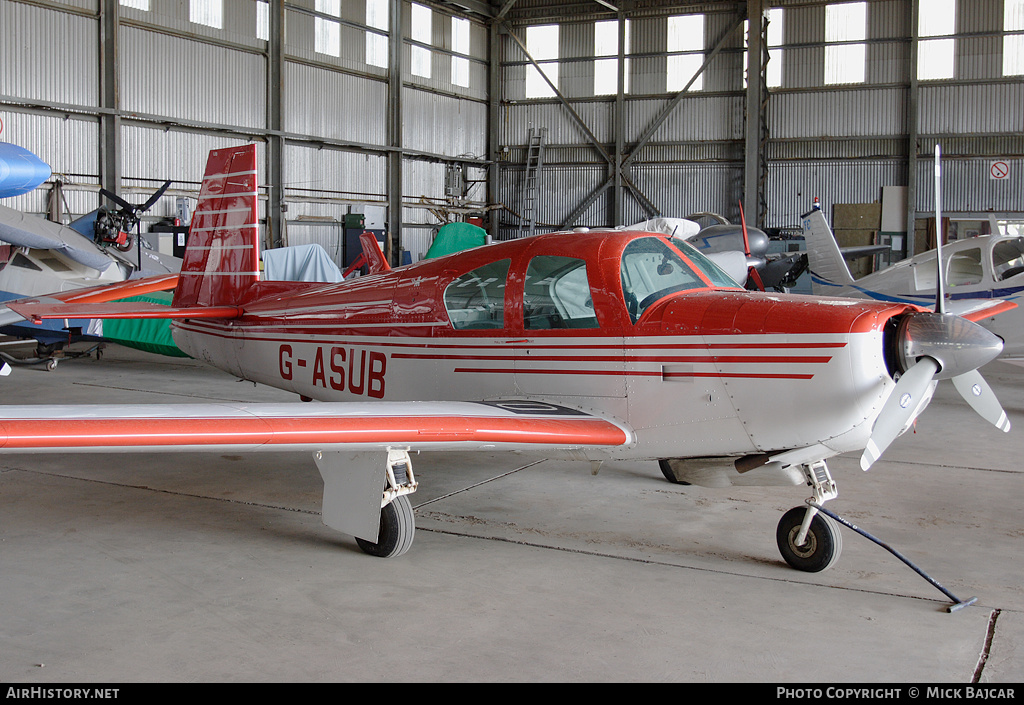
383	523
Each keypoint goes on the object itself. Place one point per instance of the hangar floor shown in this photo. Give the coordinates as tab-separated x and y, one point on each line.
201	568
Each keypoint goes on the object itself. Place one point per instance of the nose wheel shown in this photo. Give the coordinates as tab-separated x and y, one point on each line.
821	545
807	540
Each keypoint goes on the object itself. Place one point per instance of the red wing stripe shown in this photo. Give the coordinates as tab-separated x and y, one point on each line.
285	431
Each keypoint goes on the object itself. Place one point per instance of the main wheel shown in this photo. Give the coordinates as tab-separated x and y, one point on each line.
820	549
397	529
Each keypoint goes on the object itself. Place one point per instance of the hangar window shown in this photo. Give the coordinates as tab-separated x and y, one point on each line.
936	56
208	12
377	41
1013	44
476	300
651	271
776	26
542	44
845	49
606	71
460	45
327	32
137	4
556	294
422	32
686	47
263	20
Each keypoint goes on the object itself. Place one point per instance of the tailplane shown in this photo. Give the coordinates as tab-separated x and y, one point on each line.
222	257
829	270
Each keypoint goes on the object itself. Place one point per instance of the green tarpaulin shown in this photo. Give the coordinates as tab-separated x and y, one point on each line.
149	334
456	237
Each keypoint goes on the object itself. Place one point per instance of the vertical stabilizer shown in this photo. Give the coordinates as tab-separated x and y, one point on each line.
222	257
829	270
375	261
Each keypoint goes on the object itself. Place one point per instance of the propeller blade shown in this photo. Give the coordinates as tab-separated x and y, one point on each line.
154	198
118	200
900	409
976	392
940	292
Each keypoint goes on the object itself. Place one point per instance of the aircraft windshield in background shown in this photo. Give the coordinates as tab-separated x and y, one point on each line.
596	346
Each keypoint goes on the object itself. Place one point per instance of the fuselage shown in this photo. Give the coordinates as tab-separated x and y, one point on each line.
621	324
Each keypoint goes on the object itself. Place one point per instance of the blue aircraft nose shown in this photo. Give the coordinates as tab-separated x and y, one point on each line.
20	170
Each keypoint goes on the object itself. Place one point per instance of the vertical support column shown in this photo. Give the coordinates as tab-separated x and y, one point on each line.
276	207
395	140
493	121
110	119
912	129
620	120
755	122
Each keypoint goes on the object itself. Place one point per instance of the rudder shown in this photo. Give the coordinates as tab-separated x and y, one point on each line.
222	256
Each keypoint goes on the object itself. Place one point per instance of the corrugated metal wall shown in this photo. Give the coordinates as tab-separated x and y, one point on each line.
842	143
185	88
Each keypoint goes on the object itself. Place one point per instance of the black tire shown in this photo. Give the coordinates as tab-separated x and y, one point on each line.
397	530
821	549
666	470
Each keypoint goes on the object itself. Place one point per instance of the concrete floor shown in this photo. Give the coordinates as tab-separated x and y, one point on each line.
209	567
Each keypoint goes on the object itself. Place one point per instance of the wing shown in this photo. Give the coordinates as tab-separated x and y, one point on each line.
24	230
978	309
356	445
353	426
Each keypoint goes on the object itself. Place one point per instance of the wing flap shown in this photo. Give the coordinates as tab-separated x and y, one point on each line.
304	426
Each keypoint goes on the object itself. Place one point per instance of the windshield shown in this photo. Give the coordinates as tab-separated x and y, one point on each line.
711	270
650	271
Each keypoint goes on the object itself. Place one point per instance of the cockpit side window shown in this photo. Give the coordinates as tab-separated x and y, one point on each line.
556	294
651	271
1008	258
476	300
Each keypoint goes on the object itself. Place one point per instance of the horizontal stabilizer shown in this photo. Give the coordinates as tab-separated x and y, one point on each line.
37	310
512	425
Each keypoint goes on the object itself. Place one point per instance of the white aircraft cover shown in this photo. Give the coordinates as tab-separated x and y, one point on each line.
300	263
676	227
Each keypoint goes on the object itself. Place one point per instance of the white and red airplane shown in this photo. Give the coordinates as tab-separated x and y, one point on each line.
594	346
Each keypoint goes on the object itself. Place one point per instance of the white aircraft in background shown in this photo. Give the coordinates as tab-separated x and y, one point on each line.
977	271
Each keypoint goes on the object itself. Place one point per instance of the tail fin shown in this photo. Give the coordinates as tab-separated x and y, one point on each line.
828	268
222	257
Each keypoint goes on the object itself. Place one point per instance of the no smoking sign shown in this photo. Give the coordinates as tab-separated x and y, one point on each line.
999	170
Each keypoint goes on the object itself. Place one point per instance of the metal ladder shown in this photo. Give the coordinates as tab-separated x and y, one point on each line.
534	163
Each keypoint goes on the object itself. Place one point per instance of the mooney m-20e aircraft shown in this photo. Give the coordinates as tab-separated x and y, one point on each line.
594	346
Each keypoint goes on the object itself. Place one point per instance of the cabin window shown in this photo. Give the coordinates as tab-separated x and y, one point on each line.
476	300
556	294
651	271
964	268
1008	258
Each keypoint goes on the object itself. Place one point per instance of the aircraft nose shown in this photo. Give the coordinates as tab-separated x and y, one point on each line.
956	344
